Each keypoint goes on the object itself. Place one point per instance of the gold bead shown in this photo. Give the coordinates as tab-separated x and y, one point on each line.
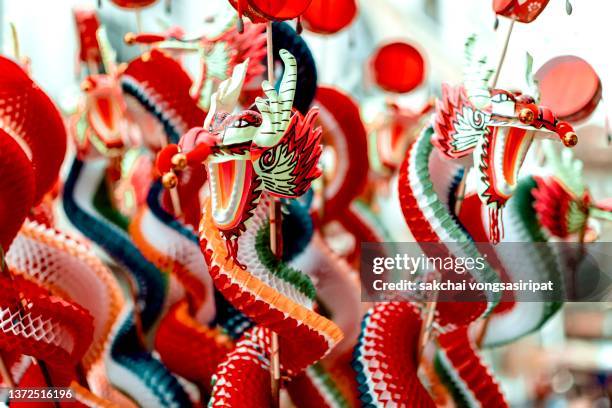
129	38
179	161
146	56
570	139
169	180
526	116
86	85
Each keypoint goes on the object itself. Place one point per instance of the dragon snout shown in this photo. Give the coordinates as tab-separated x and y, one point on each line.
567	134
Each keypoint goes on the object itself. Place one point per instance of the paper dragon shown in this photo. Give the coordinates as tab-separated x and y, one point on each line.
497	127
170	291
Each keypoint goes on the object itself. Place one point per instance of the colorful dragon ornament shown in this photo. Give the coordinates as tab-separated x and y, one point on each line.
88	202
220	54
497	127
251	158
562	200
43	317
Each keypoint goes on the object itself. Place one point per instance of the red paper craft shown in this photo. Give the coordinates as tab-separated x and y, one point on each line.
398	67
570	87
329	16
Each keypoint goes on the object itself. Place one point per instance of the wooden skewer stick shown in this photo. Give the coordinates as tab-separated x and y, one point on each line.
430	309
139	27
426	326
138	21
577	261
483	331
176	202
270	52
275	246
503	54
460	193
15	38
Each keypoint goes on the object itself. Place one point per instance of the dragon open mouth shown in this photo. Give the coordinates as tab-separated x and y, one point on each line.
230	184
105	116
509	150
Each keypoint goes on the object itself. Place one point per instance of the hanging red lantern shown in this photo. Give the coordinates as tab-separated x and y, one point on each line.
329	16
524	11
133	4
570	87
274	10
398	67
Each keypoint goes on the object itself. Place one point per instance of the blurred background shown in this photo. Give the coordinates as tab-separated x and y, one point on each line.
569	362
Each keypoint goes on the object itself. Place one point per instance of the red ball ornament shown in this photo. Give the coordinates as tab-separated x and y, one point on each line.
524	11
275	10
398	67
570	87
133	4
329	16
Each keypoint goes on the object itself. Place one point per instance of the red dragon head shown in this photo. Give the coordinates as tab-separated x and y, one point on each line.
498	136
273	150
101	121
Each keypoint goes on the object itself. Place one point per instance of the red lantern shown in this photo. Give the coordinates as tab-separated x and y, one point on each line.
524	11
133	4
329	16
570	87
398	67
261	10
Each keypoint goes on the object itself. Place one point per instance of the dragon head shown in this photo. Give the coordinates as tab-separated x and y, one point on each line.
103	115
273	149
497	127
513	121
101	125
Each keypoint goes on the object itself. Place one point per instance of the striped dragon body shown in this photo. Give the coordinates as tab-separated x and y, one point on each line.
131	367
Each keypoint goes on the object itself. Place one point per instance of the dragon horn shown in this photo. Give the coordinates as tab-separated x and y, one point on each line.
226	97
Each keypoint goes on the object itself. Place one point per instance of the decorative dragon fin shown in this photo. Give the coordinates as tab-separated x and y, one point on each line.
457	122
476	75
276	109
288	168
225	98
562	200
565	167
